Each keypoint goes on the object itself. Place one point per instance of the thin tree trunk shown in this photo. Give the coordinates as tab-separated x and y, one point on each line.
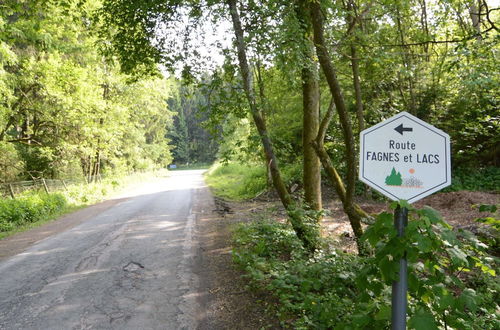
258	118
263	101
357	88
11	191
254	109
353	20
406	63
89	169
310	113
425	27
96	167
475	16
355	210
331	77
311	165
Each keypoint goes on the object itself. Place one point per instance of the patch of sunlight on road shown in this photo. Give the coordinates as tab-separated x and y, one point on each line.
39	253
76	276
177	180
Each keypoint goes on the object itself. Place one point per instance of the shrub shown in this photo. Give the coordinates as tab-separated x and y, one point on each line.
452	281
236	181
29	208
475	179
313	291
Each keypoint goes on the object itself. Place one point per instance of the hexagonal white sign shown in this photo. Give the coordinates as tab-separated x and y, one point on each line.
403	157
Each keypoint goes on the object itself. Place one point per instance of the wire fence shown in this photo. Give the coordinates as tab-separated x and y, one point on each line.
13	189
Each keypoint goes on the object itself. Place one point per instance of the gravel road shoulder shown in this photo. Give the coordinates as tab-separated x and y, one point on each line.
226	303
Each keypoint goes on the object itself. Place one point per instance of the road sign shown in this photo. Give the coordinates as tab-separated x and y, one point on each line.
404	157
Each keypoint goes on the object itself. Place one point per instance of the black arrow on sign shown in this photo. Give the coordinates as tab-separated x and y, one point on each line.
400	129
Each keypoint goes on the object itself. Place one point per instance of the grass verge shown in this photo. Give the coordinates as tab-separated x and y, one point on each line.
236	181
200	166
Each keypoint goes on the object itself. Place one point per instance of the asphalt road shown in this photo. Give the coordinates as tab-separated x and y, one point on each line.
128	267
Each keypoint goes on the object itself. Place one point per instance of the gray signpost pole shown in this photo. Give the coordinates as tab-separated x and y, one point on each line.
400	287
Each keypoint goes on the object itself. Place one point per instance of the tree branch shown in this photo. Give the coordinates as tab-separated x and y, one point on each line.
421	43
325	122
26	140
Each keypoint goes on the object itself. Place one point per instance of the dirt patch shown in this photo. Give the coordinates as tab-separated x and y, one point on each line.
226	304
457	208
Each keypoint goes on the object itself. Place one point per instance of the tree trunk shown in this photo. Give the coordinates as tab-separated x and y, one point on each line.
354	21
310	100
312	165
353	211
331	77
475	16
425	27
254	109
357	87
258	118
407	63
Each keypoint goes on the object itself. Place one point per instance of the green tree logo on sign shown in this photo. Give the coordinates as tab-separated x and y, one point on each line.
394	179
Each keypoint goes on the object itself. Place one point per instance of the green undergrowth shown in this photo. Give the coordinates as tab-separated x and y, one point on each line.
452	280
475	179
197	166
29	208
33	208
237	182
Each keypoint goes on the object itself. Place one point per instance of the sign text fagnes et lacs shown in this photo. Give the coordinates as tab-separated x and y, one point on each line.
404	157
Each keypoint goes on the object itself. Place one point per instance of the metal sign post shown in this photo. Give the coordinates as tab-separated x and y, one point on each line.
400	287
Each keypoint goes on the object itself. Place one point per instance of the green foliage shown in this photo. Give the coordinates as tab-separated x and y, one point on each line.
64	109
446	270
192	142
493	221
314	291
265	239
293	173
29	208
490	233
10	162
475	179
236	181
452	280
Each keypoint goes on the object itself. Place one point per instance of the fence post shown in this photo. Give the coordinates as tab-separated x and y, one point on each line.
65	186
11	190
45	186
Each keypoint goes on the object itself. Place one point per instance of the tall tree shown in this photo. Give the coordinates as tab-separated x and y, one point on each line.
335	89
310	104
258	118
65	110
